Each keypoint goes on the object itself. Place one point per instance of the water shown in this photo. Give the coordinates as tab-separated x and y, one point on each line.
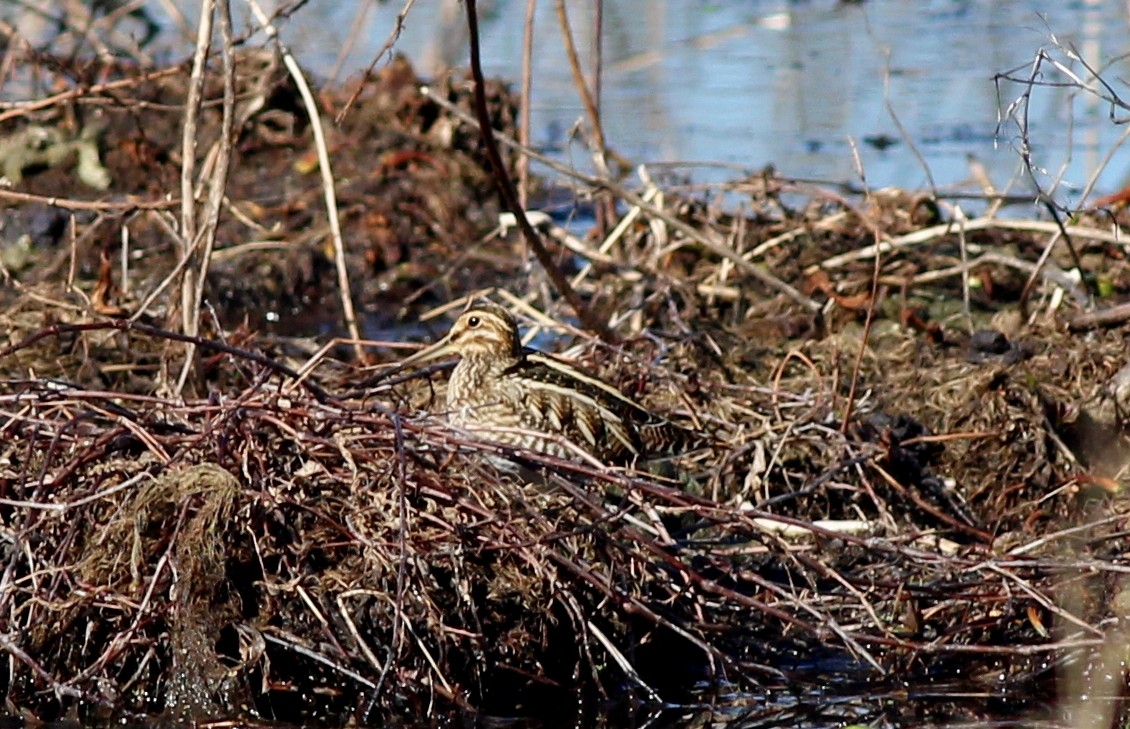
793	84
816	88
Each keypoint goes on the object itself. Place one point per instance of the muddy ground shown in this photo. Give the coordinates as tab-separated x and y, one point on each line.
915	488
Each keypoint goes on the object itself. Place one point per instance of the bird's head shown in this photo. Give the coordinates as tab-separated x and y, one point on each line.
482	330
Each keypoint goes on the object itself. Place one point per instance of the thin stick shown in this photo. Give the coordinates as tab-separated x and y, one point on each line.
393	34
217	184
328	190
597	55
1060	234
963	248
188	157
524	111
23	108
185	257
510	195
590	98
587	96
83	501
857	366
124	260
355	29
926	235
706	239
66	204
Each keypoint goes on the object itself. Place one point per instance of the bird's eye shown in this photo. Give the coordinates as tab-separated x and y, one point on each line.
474	322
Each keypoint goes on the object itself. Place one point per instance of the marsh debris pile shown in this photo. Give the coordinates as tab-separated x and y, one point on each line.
916	476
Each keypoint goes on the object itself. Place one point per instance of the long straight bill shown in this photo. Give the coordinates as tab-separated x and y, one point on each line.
442	348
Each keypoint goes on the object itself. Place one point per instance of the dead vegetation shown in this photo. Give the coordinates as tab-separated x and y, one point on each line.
916	487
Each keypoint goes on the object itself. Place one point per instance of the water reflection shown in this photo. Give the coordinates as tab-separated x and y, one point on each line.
791	83
797	84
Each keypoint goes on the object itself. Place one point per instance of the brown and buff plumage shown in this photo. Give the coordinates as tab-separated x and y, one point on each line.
507	393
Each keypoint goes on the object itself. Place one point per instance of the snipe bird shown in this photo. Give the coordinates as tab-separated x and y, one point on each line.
510	394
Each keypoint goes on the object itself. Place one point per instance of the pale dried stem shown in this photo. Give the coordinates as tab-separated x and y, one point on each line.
23	108
524	103
215	176
188	222
328	190
590	98
587	96
926	235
